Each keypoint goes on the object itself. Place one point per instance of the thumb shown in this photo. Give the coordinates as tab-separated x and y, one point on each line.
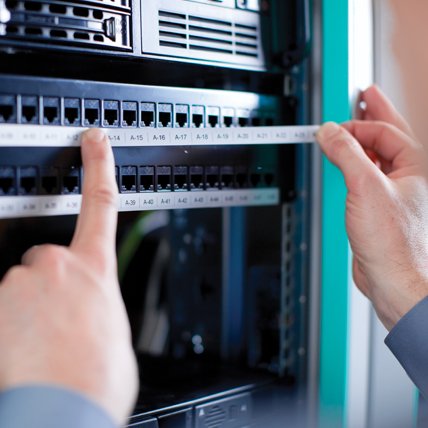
344	151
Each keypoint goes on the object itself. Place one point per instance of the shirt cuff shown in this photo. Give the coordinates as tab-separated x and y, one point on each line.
408	341
40	406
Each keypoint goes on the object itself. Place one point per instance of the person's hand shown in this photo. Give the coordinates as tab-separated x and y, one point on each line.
62	318
387	205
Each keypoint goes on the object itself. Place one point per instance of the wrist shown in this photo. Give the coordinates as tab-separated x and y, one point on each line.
400	299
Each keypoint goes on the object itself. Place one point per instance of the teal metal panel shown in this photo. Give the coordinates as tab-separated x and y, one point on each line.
335	253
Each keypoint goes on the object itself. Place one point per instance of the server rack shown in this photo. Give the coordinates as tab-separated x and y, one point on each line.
218	297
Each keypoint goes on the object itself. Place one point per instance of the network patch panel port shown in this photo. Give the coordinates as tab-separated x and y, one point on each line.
227	174
196	178
163	178
72	111
255	179
147	179
243	118
7	109
269	121
29	109
128	179
27	180
51	111
70	181
269	179
111	114
181	116
212	178
7	181
164	115
91	113
198	117
147	114
49	183
228	117
241	178
129	114
181	182
213	115
255	118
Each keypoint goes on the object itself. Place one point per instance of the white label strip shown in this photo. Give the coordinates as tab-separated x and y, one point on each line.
62	136
33	206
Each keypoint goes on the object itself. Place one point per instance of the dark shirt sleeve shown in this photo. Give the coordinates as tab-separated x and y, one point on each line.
50	407
408	341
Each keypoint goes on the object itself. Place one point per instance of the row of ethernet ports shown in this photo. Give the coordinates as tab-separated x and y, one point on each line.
29	109
131	179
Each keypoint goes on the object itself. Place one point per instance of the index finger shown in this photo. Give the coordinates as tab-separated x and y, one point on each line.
95	233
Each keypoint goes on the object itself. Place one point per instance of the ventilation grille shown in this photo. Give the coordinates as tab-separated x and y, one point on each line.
215	418
197	33
69	23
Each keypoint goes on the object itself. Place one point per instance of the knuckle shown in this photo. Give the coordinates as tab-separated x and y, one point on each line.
340	144
13	275
56	258
104	195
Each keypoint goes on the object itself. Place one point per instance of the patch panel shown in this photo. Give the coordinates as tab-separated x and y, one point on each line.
33	101
147	114
227	177
91	113
51	111
181	116
111	114
128	179
243	118
7	109
213	117
164	178
212	178
198	117
181	178
228	117
129	114
72	112
49	181
197	179
241	178
7	181
29	109
70	181
146	176
164	115
28	180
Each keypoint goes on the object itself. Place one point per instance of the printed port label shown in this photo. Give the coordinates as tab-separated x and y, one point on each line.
117	138
222	137
29	207
183	137
56	136
148	202
130	203
243	136
137	137
159	137
166	201
182	201
25	206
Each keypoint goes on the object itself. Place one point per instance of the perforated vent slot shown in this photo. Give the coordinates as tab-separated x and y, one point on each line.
215	418
198	33
71	22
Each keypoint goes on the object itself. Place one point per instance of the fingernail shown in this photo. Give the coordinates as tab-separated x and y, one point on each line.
328	130
95	135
